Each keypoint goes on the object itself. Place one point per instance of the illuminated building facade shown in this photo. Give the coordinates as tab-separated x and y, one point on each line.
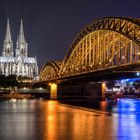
17	63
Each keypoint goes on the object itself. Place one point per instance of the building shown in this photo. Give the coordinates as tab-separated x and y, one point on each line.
17	62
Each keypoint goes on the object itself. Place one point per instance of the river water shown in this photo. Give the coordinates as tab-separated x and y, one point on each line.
49	120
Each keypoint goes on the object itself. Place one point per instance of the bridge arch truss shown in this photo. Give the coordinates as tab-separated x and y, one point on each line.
105	43
50	70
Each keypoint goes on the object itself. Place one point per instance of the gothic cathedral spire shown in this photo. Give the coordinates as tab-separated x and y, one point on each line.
8	44
22	46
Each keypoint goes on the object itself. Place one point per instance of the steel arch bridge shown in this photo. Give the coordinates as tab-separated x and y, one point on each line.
104	44
50	70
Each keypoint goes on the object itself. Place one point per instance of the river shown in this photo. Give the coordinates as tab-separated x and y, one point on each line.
49	120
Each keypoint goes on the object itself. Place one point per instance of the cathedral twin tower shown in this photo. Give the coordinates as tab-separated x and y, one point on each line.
20	64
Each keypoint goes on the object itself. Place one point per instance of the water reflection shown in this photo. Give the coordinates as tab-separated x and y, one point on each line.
48	120
128	119
16	120
128	106
128	127
73	124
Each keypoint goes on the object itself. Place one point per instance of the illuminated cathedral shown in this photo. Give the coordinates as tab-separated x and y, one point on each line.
17	62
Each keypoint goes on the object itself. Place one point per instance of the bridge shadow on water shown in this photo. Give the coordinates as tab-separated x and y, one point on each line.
87	103
120	106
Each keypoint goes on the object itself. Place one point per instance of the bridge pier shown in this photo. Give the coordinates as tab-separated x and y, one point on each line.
87	90
103	90
53	91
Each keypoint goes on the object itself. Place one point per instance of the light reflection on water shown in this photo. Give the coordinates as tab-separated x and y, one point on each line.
16	120
128	106
48	120
128	123
128	127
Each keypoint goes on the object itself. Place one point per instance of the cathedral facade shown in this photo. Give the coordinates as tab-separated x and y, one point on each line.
17	62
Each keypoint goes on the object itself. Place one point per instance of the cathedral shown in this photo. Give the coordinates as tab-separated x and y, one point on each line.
17	62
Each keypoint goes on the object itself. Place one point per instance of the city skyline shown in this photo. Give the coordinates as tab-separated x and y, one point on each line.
51	26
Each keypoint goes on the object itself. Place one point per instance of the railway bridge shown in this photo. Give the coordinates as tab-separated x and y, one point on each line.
106	49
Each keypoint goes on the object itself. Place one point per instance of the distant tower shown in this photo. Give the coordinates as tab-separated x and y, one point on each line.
8	44
22	46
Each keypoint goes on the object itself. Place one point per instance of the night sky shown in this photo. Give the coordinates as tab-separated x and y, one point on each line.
50	26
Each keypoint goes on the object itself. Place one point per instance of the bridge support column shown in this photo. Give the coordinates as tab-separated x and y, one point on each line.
53	91
103	90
